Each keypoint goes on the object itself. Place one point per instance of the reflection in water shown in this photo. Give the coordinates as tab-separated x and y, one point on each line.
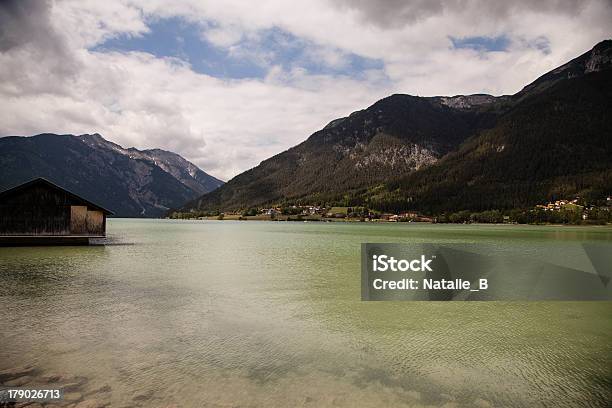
262	313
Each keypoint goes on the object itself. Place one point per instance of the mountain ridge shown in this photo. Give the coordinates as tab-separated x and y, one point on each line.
130	182
402	135
181	168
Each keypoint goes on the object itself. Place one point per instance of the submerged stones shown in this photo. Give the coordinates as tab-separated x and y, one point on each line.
78	392
90	403
18	382
12	373
73	396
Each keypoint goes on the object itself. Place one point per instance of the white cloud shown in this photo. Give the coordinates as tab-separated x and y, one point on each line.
51	80
224	36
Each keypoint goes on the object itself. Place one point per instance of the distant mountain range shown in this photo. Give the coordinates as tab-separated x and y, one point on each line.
130	182
476	152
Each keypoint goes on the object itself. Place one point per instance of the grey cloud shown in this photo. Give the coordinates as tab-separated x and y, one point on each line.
397	13
393	13
16	26
32	50
52	81
25	21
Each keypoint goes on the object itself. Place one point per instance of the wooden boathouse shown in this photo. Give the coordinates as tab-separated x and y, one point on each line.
40	212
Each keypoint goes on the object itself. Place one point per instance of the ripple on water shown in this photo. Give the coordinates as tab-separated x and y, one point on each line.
201	313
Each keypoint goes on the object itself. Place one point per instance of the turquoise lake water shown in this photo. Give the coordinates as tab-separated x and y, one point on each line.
224	313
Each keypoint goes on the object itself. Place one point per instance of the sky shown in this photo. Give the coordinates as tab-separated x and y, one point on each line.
227	84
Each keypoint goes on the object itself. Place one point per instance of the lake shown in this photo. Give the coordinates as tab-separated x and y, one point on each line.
224	313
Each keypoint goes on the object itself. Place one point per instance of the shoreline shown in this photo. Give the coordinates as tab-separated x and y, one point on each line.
372	221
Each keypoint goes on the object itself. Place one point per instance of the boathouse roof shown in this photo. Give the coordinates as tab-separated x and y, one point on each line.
43	181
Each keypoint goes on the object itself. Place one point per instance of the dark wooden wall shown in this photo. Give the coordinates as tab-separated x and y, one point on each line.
42	209
38	209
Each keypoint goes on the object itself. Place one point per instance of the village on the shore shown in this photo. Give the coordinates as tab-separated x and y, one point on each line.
566	211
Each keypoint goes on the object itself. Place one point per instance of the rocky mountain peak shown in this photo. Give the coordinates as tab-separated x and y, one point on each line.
599	58
466	101
177	166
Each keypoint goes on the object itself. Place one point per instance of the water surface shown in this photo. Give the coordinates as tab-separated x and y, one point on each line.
222	313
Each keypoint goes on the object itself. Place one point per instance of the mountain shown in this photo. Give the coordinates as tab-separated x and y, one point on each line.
596	60
183	170
556	144
395	136
130	182
553	140
445	153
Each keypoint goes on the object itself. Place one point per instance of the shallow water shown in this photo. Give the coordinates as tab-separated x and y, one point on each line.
209	313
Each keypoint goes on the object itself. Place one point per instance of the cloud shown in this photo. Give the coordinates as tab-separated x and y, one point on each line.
32	51
316	60
22	22
398	13
224	36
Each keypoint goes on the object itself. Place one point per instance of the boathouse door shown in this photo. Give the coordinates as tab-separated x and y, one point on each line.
78	219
